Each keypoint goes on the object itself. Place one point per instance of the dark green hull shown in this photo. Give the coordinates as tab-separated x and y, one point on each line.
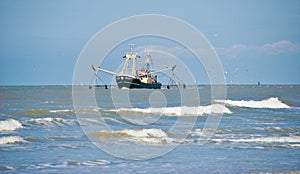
130	82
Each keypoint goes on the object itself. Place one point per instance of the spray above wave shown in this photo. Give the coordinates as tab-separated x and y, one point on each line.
10	125
180	110
272	102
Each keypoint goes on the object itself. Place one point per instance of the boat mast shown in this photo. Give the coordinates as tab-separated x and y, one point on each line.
133	60
126	66
129	56
148	61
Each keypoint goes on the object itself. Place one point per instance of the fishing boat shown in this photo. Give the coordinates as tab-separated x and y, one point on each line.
130	77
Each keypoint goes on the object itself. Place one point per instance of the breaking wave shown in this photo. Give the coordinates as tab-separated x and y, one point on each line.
89	110
58	165
292	139
62	138
272	102
11	140
61	110
49	121
148	136
10	125
180	110
279	129
39	112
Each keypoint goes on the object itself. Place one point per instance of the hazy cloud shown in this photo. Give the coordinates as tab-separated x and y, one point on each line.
280	47
177	51
233	51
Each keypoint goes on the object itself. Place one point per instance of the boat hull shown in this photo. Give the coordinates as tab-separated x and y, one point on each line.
124	81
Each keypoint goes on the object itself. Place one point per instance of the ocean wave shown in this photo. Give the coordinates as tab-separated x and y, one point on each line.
64	146
292	139
91	163
276	146
10	125
279	129
33	112
180	110
83	110
49	121
48	102
8	140
62	138
272	102
40	112
61	110
64	164
148	136
198	132
99	121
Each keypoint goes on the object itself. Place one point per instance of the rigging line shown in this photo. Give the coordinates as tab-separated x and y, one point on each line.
178	78
90	86
99	78
93	78
171	80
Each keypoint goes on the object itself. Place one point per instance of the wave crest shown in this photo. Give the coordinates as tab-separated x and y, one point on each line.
180	110
272	102
11	140
148	136
10	125
293	139
48	121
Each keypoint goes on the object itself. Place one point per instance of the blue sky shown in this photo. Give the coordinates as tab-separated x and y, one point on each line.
256	40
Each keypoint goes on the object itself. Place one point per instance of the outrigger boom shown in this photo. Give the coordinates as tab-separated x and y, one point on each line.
162	70
113	73
103	70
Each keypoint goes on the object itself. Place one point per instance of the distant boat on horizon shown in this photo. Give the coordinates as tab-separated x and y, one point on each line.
131	78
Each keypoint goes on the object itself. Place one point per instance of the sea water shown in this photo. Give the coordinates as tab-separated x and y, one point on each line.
259	131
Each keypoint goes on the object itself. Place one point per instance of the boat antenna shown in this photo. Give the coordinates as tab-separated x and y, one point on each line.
131	48
148	61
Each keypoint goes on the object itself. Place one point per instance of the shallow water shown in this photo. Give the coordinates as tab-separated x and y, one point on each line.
259	131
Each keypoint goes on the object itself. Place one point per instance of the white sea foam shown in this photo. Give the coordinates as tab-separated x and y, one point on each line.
90	110
149	136
279	129
272	102
48	102
293	139
180	110
61	110
11	140
10	125
94	163
293	145
65	164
